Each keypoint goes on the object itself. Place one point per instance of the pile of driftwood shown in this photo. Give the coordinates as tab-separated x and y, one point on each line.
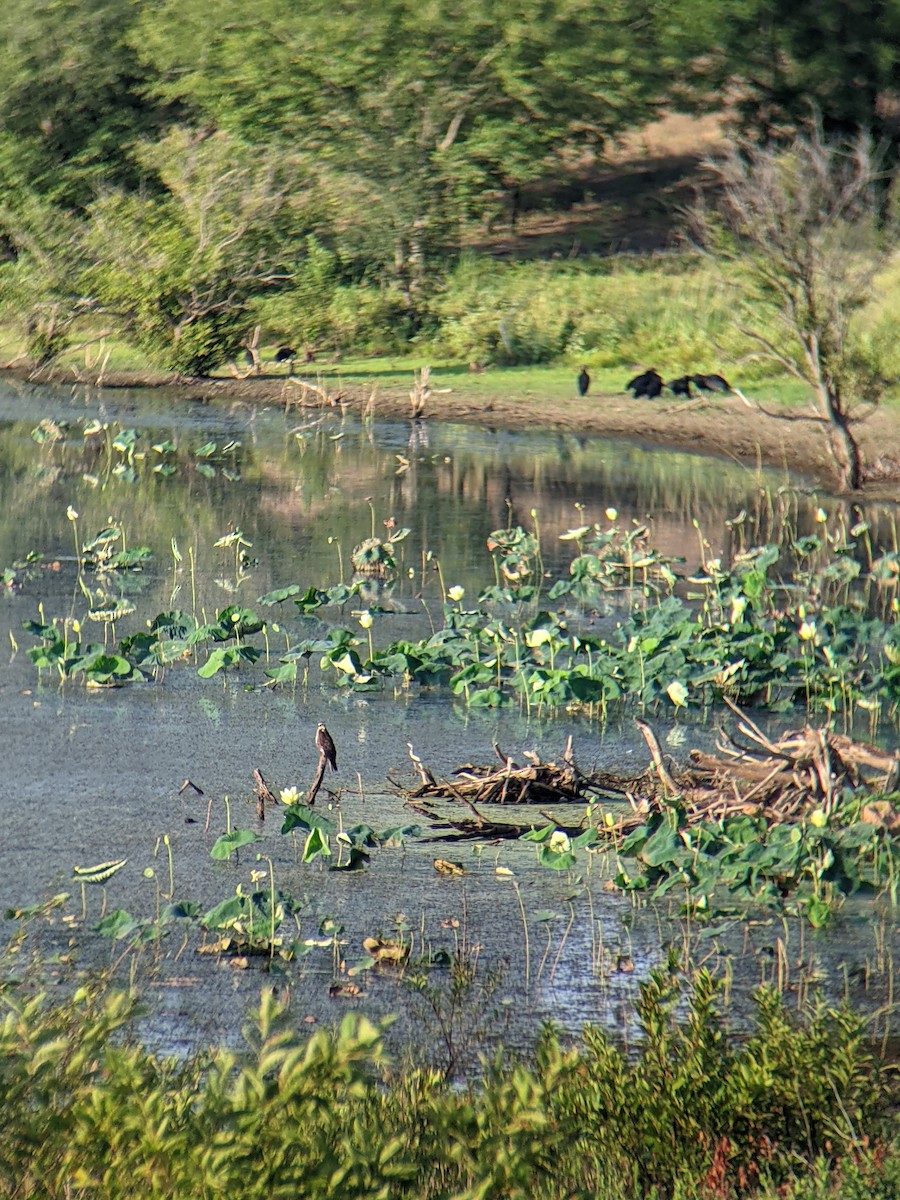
529	782
804	770
782	779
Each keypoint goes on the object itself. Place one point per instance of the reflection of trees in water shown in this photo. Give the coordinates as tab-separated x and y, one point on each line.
292	495
668	491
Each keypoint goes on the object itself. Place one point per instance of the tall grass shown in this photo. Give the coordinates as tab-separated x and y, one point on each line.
675	312
803	1108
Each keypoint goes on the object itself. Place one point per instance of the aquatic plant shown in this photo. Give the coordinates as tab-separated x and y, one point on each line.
253	922
760	630
809	866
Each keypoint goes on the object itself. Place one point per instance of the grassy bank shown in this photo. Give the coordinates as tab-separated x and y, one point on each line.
518	327
802	1109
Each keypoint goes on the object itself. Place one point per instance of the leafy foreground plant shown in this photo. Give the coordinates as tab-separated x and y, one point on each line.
802	1107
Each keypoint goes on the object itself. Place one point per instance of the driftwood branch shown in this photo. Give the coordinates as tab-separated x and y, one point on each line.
782	780
317	782
656	754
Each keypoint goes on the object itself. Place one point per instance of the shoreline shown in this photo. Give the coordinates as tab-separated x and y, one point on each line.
720	425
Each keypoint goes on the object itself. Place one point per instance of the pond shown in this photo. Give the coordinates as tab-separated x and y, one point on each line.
236	502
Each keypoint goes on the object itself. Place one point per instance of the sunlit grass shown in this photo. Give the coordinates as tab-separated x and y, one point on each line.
508	329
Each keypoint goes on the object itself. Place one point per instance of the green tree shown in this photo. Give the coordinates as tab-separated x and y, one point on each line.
72	97
412	115
779	58
182	272
41	274
299	313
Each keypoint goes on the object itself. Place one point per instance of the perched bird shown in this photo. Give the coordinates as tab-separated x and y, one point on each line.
325	746
649	384
712	383
285	354
584	382
681	387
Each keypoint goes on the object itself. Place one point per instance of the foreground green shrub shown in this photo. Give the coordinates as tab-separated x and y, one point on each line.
799	1106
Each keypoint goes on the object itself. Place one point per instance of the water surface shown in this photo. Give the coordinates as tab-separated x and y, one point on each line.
95	775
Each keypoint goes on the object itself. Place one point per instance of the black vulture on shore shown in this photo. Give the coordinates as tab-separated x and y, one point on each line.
711	383
648	385
681	386
584	382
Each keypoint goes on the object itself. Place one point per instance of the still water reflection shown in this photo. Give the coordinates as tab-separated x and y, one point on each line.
298	481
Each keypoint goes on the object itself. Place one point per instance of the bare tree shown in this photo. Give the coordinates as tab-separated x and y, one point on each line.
802	228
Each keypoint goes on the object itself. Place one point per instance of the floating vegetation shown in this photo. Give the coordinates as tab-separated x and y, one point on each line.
48	431
803	819
724	864
374	556
253	923
820	629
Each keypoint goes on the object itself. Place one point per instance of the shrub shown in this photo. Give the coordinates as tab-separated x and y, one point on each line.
799	1106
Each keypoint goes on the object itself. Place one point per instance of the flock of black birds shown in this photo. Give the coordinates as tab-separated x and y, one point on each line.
650	384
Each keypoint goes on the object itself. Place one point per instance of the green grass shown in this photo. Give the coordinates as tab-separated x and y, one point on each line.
552	381
393	373
528	327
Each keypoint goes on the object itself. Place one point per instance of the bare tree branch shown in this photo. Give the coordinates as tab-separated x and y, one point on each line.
802	226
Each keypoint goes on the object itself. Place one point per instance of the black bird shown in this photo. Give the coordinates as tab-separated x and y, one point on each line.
711	383
285	354
681	387
584	382
649	384
326	747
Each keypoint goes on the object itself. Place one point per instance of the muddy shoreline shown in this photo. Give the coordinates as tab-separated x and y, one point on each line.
721	426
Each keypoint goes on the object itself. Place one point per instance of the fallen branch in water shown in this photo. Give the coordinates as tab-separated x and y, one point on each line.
782	779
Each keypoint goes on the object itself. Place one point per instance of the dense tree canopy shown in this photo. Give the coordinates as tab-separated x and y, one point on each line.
840	58
73	97
397	121
418	113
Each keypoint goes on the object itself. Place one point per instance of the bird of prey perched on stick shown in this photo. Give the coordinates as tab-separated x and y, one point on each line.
326	747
